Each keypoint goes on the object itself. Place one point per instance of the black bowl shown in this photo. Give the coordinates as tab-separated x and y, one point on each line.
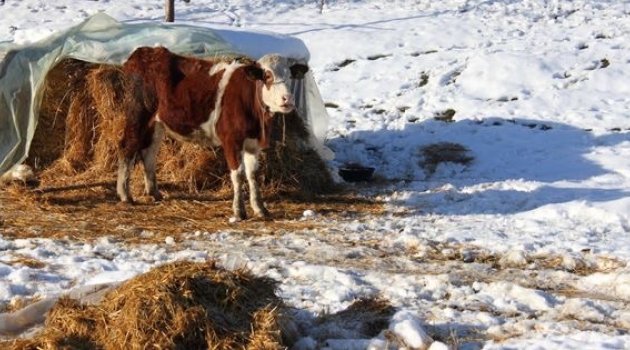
356	173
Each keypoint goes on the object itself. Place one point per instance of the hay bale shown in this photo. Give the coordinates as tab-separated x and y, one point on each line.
64	99
106	85
197	167
183	305
80	131
88	122
290	164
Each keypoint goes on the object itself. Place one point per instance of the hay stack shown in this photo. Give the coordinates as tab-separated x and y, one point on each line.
106	87
87	120
290	164
182	305
64	102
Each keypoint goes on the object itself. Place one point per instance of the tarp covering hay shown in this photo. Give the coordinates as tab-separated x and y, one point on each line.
71	136
182	305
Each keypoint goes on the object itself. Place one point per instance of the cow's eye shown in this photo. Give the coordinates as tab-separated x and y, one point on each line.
268	77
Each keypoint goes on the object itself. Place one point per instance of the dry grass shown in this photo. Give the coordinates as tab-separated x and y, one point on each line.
93	211
182	305
365	317
432	251
18	303
20	259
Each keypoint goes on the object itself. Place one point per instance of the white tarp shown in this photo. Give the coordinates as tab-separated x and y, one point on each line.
101	39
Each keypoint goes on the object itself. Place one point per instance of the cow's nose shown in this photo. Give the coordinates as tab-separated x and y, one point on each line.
287	99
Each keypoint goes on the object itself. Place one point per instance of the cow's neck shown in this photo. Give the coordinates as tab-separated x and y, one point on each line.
264	117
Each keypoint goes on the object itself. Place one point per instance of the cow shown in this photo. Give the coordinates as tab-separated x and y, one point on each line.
227	104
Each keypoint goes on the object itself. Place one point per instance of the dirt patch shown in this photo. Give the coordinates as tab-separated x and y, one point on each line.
445	115
364	318
443	152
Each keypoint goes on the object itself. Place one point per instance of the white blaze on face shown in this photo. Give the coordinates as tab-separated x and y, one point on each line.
277	77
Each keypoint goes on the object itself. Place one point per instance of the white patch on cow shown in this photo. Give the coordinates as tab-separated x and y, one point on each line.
209	126
277	96
218	67
251	150
250	161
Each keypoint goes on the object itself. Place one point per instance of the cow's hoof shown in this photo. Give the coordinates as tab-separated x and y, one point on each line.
264	215
238	216
126	202
155	196
235	219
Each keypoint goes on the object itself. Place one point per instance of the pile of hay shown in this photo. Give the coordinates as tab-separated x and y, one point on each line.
65	115
183	305
81	122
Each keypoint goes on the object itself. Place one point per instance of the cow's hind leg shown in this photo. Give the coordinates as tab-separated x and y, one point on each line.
122	184
149	160
250	160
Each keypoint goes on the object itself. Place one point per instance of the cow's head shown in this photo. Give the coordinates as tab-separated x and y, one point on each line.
276	74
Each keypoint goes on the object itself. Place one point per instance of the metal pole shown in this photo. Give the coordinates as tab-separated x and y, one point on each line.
169	7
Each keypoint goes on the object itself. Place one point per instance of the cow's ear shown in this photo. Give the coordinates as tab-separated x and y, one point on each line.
254	73
298	71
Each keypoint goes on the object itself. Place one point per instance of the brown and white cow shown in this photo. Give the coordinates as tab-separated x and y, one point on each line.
218	104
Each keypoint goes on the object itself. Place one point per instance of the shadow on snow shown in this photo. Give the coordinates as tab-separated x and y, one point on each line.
518	165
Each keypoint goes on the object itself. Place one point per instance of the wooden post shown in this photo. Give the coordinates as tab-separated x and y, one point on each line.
169	7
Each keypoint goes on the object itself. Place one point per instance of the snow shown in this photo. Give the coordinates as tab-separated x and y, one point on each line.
526	247
408	328
20	172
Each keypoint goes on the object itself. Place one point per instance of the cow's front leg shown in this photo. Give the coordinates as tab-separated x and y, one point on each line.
250	160
238	204
233	157
149	160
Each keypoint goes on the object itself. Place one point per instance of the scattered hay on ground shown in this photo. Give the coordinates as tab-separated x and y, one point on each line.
24	260
363	319
182	305
18	303
90	212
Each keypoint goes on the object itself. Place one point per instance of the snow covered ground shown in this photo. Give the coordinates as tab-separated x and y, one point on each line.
526	247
